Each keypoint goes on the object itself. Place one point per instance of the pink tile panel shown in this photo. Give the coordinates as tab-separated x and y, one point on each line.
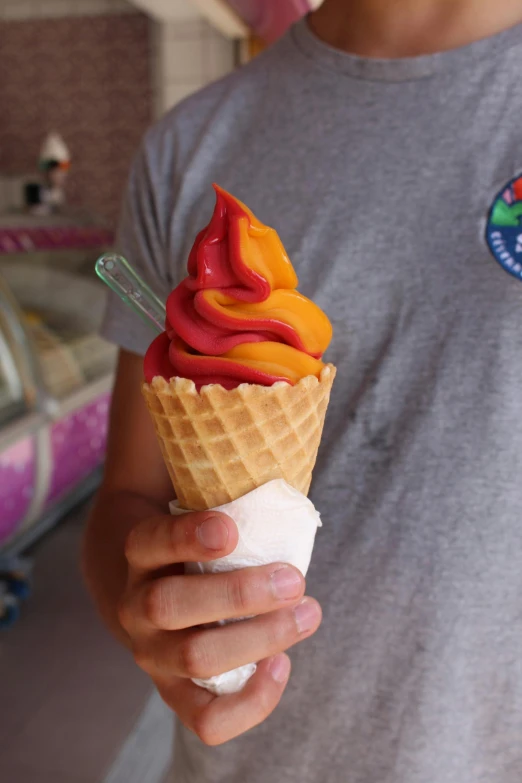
17	482
78	446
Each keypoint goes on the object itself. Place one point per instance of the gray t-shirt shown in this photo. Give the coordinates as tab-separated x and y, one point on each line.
378	176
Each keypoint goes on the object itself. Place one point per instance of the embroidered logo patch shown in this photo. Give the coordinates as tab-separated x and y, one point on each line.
504	228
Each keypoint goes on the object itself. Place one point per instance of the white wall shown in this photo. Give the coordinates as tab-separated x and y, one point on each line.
49	9
187	55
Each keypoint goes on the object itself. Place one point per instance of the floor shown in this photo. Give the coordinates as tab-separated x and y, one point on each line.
75	707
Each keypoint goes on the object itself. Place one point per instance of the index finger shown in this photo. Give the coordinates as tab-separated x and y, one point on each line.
193	537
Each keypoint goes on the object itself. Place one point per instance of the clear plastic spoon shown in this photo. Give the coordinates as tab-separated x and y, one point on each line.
117	273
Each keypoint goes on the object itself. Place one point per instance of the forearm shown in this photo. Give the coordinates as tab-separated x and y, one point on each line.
104	564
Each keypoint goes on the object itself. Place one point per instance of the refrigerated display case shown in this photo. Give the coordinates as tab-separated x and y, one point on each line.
55	381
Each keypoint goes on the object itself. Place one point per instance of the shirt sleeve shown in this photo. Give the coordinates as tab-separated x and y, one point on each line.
141	241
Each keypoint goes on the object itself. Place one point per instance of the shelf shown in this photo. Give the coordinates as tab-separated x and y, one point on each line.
30	239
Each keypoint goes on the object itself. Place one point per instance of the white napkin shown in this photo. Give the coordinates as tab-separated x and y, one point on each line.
276	524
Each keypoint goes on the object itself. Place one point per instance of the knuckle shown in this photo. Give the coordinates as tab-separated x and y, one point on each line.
143	659
182	531
206	729
193	656
130	546
267	702
264	704
167	697
280	629
154	603
125	615
239	592
171	697
178	532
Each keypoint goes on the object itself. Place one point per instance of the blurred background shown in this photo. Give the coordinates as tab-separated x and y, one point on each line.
80	81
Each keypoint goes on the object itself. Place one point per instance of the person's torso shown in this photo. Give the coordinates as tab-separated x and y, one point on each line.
379	183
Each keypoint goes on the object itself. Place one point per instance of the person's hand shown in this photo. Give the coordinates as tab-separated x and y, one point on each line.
163	612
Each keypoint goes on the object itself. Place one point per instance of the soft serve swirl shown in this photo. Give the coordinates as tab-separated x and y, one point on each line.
237	317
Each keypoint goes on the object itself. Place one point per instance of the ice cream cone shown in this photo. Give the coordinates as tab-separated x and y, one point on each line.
218	444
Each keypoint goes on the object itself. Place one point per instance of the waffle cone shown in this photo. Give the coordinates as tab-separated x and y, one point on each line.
218	444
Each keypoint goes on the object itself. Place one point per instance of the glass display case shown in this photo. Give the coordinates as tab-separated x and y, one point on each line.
55	381
11	389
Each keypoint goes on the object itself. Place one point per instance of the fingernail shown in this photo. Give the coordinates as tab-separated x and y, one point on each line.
279	668
213	533
286	583
307	615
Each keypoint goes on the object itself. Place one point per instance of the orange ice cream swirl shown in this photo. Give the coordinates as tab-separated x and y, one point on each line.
237	317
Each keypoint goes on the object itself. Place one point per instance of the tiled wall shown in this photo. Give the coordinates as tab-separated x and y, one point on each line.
187	56
99	81
88	78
